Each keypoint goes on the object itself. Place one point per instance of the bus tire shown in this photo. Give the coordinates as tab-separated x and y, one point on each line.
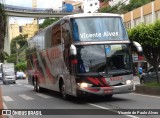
37	88
109	96
63	90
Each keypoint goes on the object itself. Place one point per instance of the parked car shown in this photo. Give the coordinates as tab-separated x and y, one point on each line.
149	76
20	75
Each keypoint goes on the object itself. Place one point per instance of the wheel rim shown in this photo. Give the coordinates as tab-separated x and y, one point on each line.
35	85
63	92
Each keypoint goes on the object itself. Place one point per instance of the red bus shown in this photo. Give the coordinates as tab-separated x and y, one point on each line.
82	54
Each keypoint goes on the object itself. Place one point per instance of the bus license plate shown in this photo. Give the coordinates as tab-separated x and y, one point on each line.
108	91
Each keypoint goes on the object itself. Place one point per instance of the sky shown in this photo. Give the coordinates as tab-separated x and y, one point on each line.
28	3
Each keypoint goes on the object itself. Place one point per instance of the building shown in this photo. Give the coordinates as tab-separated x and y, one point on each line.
30	29
88	6
146	14
13	31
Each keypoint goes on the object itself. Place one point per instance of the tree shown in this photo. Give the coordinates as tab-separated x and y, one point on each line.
2	31
122	8
18	41
149	37
47	22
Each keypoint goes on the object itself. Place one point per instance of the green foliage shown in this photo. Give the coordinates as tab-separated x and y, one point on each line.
20	40
153	84
12	58
22	66
121	8
47	22
3	54
149	37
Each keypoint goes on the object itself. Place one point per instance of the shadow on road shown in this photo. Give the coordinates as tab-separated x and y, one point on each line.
84	100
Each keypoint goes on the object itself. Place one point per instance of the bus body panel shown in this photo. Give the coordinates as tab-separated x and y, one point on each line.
49	59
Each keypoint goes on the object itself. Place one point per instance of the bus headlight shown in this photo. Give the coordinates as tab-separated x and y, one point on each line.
84	84
128	81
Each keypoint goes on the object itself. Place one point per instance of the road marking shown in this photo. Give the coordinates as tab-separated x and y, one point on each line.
43	96
101	107
19	84
10	85
145	95
5	107
7	98
29	86
26	97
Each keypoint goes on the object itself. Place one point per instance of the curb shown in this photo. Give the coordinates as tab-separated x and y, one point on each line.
1	103
147	90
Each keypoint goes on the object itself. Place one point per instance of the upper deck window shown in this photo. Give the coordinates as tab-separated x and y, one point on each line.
98	29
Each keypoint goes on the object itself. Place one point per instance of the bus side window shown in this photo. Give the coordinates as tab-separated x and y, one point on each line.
56	35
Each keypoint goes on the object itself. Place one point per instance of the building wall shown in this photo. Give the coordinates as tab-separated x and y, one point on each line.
146	14
30	29
13	31
90	6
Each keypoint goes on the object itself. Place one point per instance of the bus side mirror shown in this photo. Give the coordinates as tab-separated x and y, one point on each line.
137	46
73	54
73	50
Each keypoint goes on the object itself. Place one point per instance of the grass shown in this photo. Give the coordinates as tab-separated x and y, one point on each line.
153	84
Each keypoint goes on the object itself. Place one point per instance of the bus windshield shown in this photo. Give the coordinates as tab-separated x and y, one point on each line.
111	59
98	29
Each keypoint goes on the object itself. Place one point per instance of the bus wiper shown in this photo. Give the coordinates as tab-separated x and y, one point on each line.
104	74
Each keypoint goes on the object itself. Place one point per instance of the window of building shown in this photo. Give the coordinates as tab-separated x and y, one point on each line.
148	19
128	24
137	21
96	3
158	14
90	4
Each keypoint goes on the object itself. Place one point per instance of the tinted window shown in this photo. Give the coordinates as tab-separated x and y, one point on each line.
103	58
95	29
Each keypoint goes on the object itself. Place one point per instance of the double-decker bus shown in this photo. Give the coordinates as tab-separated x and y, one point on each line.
82	54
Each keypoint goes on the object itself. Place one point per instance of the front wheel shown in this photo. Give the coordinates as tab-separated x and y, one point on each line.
109	96
63	91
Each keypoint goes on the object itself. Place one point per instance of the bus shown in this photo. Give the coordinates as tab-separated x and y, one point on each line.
82	55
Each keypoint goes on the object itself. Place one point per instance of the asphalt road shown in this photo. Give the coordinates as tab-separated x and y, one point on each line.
22	96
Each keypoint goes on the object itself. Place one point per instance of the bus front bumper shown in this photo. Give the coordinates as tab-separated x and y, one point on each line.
106	90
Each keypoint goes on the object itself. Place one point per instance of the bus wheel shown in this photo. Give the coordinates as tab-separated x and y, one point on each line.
37	88
109	96
63	91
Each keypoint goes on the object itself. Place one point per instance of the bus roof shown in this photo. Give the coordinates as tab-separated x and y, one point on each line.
90	15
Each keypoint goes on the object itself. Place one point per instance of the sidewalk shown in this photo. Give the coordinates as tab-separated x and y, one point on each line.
1	102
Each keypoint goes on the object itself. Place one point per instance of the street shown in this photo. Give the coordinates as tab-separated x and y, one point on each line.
22	96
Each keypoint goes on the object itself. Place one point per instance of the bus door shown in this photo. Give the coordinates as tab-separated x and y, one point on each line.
66	38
